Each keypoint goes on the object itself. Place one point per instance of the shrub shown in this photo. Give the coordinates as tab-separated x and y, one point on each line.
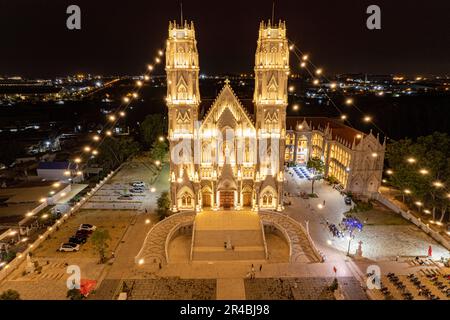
74	294
10	295
334	285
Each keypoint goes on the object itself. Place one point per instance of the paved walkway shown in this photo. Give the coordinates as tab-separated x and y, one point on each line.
230	289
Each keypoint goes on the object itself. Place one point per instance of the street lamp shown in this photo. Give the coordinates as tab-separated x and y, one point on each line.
349	238
406	191
438	184
419	205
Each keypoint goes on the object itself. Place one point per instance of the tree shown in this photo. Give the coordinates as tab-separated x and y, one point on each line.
115	150
153	126
349	225
158	150
10	151
10	295
417	165
163	205
100	238
74	294
317	166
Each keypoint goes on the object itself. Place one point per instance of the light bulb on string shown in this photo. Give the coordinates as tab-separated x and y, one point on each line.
122	114
112	118
150	67
319	71
126	99
160	52
367	119
305	57
139	83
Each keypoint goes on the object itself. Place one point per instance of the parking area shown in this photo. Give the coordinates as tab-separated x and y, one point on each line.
115	221
52	265
132	188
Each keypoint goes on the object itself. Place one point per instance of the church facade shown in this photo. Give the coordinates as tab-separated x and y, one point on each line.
229	158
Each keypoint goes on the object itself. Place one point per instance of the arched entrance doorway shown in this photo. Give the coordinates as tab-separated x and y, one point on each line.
226	198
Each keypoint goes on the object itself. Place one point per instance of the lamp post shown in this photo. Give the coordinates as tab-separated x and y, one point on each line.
350	238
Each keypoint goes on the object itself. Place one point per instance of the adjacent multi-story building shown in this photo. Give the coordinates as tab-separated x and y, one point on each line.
353	158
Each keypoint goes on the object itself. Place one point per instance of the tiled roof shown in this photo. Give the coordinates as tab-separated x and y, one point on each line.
339	129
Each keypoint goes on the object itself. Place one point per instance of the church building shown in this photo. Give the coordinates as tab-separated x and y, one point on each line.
231	159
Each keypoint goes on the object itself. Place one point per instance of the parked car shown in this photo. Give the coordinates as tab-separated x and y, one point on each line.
138	184
78	239
82	233
125	197
87	227
139	187
348	200
137	190
69	247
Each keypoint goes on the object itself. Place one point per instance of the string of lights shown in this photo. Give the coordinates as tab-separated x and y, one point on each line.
316	74
304	60
91	150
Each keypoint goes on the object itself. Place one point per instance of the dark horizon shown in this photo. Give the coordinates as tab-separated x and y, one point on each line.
120	39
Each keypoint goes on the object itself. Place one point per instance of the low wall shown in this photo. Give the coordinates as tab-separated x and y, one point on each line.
417	221
187	228
15	263
112	206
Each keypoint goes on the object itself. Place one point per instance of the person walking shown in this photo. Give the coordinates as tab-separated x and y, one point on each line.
260	267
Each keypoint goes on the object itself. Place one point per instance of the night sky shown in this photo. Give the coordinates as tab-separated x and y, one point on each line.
120	37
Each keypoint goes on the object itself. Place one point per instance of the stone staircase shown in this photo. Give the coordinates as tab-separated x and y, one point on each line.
209	245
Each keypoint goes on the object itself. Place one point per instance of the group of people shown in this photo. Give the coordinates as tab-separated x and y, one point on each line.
252	273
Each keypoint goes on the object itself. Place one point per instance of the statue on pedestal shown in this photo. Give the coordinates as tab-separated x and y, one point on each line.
29	266
359	250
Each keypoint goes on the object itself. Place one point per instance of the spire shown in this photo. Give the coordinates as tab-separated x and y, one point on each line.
273	10
181	13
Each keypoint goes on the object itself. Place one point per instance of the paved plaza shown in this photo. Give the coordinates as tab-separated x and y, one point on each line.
171	289
385	235
300	288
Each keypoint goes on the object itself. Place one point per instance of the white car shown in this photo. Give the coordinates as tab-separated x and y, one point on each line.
69	247
87	227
